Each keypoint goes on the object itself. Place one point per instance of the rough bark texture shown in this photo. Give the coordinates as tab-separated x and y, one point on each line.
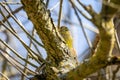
60	59
100	57
59	56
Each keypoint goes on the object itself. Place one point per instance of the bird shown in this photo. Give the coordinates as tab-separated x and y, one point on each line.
65	33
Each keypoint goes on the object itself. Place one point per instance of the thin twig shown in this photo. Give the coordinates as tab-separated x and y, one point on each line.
60	13
4	76
39	59
93	29
9	58
16	66
17	54
27	57
35	46
80	22
15	11
117	40
55	6
4	65
13	3
20	24
81	12
89	10
10	8
6	20
22	27
47	2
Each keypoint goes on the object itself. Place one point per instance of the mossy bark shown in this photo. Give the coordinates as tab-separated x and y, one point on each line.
58	53
57	50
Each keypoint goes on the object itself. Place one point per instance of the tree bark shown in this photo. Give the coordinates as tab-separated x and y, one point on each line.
59	56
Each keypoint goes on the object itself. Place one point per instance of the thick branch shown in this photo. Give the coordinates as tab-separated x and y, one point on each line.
100	58
45	28
58	53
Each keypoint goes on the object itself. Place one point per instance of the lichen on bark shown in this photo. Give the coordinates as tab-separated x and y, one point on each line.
58	53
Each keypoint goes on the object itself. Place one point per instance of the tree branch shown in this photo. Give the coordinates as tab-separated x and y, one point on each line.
59	56
103	50
58	52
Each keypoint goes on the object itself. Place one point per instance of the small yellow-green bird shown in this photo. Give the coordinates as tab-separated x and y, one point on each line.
64	31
